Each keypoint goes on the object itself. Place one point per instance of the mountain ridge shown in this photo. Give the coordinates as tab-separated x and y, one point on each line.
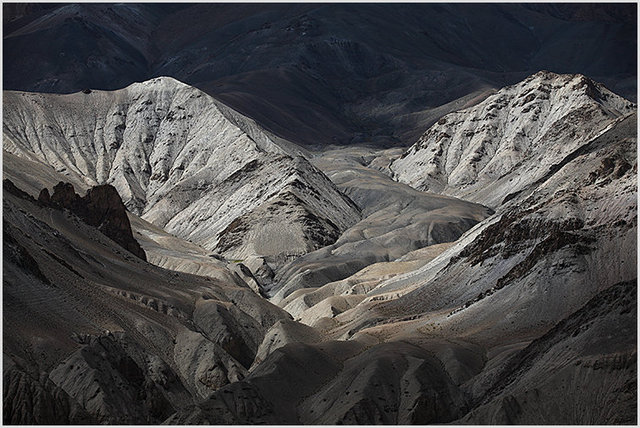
496	147
178	161
394	305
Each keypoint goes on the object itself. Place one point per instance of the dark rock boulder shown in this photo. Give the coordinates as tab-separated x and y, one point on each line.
44	197
101	207
106	211
64	196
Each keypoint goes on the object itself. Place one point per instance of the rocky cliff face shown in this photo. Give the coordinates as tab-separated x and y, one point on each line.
186	163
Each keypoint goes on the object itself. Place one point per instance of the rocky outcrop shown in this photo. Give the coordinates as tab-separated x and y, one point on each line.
101	207
115	380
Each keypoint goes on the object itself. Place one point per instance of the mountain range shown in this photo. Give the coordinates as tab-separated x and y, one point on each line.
321	74
201	250
474	299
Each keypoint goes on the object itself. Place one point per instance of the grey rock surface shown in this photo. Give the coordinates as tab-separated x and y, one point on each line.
104	335
491	151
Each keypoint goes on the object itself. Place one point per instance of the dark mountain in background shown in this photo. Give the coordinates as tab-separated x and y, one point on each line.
321	74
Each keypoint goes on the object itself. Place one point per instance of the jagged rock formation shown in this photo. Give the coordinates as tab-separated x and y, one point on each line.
101	207
161	248
511	139
186	163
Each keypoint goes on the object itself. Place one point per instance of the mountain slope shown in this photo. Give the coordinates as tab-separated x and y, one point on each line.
499	307
561	232
396	220
109	337
101	207
162	249
511	139
515	321
541	257
116	46
185	163
596	346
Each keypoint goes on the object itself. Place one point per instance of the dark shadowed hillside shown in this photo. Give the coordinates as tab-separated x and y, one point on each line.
321	74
